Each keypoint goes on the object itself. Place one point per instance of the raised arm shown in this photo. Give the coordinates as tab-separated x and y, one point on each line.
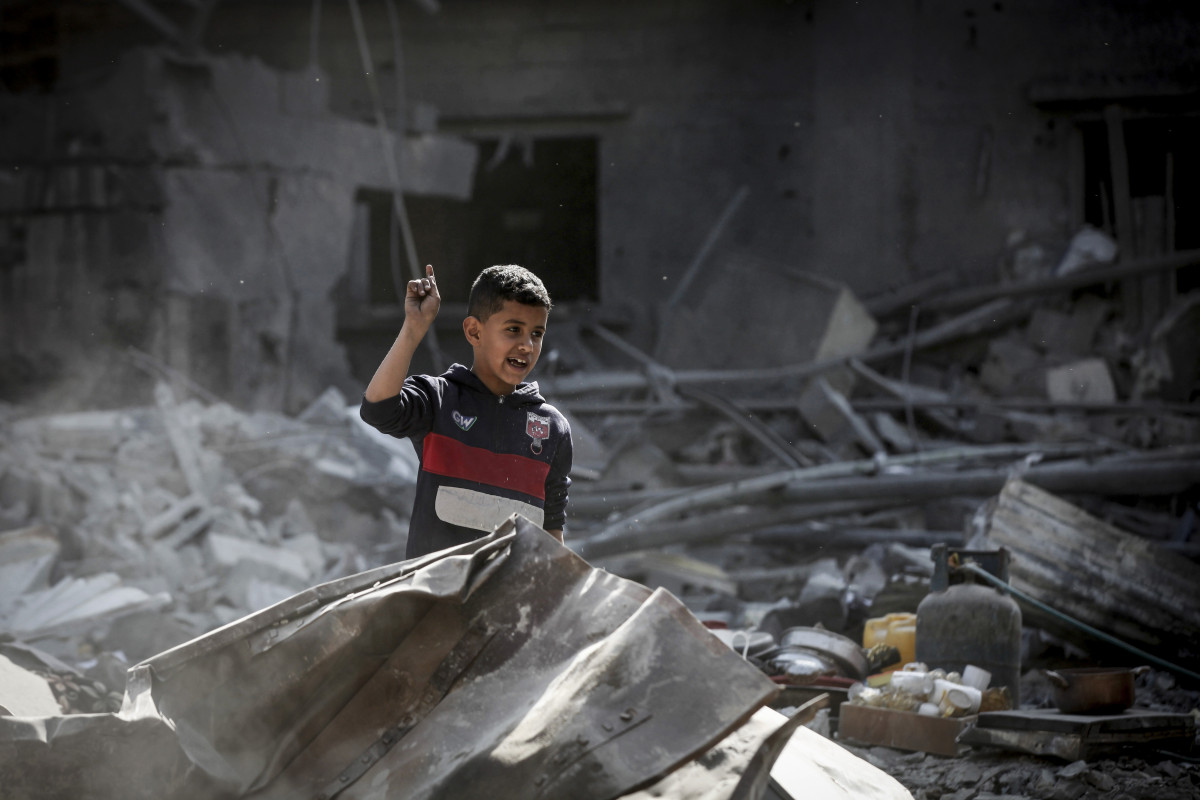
421	303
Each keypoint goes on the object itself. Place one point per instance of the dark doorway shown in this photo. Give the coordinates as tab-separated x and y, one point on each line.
1163	156
534	204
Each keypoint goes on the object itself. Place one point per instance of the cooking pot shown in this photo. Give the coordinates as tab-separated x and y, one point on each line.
1093	690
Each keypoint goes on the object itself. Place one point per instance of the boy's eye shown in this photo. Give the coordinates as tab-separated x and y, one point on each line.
538	334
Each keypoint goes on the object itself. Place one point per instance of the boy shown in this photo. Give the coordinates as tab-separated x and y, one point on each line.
488	444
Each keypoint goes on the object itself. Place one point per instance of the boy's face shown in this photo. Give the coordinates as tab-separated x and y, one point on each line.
507	344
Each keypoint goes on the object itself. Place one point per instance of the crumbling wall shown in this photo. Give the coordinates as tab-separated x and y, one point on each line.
199	210
879	143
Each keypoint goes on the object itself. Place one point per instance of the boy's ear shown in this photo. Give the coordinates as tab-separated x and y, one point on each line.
471	329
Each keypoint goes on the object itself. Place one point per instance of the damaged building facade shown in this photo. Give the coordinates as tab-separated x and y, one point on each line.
215	186
857	306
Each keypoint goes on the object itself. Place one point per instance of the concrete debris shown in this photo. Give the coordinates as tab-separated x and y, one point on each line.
23	693
1032	388
198	512
787	498
596	687
1089	247
26	558
1084	381
75	606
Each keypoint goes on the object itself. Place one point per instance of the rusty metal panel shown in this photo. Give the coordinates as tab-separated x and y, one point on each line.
509	663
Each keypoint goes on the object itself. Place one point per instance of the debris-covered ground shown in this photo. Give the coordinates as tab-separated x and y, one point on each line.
764	500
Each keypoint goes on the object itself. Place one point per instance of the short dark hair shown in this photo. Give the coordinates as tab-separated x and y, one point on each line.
504	282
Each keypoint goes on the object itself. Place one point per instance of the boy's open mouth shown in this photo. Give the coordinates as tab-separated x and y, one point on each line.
518	363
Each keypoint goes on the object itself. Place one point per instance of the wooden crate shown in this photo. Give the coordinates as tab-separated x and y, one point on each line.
903	730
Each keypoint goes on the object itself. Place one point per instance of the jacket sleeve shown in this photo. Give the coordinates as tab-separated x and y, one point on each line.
558	481
409	413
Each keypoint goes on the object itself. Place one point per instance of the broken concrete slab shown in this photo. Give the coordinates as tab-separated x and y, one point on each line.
826	320
1085	381
26	557
800	763
74	605
224	551
87	432
24	694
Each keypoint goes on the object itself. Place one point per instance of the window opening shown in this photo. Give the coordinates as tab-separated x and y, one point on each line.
533	203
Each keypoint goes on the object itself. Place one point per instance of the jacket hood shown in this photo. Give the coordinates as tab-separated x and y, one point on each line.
525	393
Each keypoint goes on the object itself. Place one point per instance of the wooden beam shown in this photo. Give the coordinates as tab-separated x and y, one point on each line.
1126	267
1119	583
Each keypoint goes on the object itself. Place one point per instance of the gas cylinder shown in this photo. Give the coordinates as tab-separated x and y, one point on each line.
962	622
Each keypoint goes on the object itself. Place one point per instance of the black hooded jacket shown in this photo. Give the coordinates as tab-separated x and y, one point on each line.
483	456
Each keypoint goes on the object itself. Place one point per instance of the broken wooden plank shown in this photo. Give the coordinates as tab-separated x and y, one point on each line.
813	484
913	396
1150	408
663	383
719	524
161	524
764	435
1125	267
1084	567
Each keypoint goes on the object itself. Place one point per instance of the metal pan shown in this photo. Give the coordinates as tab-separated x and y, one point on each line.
1093	690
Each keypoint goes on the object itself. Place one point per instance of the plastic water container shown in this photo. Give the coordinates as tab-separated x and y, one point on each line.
898	630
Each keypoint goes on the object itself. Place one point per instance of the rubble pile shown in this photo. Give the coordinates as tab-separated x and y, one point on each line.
1031	415
787	503
907	420
126	532
989	775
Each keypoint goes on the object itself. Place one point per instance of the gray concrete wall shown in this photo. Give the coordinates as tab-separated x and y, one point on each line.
199	211
878	142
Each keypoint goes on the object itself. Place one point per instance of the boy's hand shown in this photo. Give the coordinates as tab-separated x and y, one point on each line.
422	299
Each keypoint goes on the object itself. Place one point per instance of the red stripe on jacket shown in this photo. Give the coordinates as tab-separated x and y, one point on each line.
451	458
